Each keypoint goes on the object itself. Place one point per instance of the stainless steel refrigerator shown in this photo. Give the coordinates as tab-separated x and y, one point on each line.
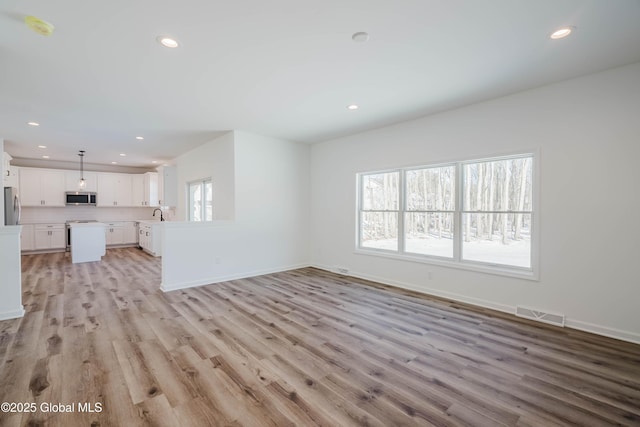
11	206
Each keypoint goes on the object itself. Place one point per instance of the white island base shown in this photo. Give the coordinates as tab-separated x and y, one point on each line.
88	242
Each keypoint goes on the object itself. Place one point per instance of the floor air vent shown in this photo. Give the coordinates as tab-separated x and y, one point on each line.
540	316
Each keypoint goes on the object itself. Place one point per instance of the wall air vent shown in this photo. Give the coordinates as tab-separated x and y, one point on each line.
540	316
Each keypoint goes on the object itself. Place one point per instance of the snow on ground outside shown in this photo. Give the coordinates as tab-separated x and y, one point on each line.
516	253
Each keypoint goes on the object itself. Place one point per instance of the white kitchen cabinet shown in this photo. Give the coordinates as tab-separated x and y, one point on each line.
151	189
114	234
12	179
49	236
121	233
6	164
150	238
71	179
145	189
41	187
137	190
27	242
114	189
167	186
130	231
9	173
143	236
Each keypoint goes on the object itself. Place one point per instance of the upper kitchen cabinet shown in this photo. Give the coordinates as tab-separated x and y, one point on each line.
41	187
9	173
114	189
145	189
72	178
167	186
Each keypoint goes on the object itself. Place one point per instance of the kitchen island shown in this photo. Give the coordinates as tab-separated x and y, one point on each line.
88	241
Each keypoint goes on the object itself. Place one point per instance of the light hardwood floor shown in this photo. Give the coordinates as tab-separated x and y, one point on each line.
298	348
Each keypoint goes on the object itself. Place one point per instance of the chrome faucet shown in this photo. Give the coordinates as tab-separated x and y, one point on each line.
154	213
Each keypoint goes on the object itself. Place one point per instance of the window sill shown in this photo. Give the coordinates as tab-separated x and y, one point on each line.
443	262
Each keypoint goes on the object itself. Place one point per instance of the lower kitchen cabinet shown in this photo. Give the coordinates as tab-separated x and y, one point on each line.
49	236
130	233
150	238
114	234
121	233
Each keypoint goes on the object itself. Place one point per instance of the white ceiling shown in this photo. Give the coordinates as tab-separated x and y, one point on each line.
282	68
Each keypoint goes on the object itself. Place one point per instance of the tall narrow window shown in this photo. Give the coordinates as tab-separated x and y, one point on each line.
380	204
497	212
200	200
430	198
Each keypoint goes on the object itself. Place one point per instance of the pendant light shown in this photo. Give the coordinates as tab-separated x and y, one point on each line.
82	183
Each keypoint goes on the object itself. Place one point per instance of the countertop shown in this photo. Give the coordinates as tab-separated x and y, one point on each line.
86	224
101	221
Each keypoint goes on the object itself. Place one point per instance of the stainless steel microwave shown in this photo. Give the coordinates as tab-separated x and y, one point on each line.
80	198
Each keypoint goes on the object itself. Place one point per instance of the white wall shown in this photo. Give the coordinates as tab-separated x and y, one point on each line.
214	160
270	228
1	163
588	133
10	272
10	264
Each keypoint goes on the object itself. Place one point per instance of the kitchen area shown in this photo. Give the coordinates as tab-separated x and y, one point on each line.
85	213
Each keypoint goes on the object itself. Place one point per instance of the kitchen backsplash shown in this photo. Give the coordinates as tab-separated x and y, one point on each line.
37	215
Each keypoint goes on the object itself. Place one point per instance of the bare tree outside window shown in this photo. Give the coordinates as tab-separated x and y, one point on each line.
478	212
497	212
380	207
429	214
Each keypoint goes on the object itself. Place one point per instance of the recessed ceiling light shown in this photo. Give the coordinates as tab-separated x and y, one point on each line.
154	161
122	155
45	157
33	124
561	33
42	146
140	137
167	42
360	37
352	107
114	163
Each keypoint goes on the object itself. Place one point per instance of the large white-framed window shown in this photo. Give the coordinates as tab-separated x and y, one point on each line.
200	200
429	217
379	210
497	212
474	214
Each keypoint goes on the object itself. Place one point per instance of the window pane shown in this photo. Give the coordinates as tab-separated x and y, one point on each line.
431	189
503	239
379	230
208	195
429	234
500	185
195	202
380	191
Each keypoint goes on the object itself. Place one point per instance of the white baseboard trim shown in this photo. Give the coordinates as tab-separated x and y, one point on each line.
619	334
218	279
13	314
603	330
428	291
